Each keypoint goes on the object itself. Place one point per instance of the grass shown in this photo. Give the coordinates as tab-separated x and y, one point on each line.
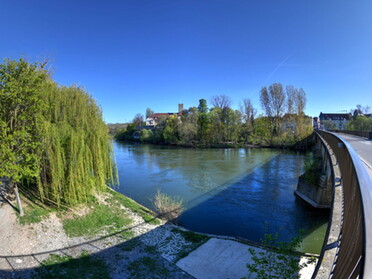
126	234
102	218
168	207
147	267
110	218
145	213
66	267
34	213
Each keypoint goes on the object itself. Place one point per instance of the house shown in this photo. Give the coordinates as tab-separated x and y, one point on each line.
337	121
151	121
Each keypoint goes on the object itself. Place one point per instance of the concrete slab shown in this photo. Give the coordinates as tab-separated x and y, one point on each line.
217	258
224	259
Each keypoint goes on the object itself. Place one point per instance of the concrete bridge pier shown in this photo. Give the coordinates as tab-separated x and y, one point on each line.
318	195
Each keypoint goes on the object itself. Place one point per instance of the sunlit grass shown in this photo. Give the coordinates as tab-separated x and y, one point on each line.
101	218
144	212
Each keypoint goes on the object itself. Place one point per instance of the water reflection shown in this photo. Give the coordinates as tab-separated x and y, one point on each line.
227	191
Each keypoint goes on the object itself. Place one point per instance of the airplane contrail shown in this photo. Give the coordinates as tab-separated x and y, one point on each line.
274	71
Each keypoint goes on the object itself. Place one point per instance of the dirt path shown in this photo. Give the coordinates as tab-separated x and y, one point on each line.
24	247
152	251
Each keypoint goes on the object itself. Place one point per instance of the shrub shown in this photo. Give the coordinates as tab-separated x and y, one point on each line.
313	169
276	259
168	207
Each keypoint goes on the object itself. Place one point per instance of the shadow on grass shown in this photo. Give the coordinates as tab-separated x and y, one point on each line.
118	256
113	255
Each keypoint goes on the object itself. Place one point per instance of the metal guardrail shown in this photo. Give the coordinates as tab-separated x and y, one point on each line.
354	253
367	135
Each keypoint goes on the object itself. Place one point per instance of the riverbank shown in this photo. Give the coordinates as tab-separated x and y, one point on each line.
304	145
134	244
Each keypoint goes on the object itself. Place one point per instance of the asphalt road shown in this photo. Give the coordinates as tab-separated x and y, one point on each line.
363	147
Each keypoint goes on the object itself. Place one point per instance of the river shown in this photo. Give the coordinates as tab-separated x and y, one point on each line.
230	192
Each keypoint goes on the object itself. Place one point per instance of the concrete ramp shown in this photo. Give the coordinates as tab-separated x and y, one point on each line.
217	259
224	259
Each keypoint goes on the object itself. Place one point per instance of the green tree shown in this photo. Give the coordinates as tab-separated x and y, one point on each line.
170	132
51	135
221	117
262	131
233	125
138	119
77	152
272	102
203	121
127	134
21	108
248	115
149	112
360	123
188	127
146	135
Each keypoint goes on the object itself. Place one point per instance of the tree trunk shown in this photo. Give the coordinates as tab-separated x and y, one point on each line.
18	200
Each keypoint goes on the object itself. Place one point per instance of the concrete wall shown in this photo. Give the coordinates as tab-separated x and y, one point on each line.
319	196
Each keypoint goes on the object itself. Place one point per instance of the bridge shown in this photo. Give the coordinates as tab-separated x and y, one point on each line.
347	249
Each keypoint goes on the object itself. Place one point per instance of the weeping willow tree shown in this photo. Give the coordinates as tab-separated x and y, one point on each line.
52	135
78	156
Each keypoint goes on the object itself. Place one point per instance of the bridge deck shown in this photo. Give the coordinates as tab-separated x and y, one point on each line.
363	147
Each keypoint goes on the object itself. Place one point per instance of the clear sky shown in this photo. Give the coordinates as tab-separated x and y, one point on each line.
130	55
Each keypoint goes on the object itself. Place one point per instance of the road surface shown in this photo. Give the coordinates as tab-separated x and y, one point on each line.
363	147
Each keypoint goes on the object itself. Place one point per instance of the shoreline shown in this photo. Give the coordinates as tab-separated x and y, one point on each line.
174	248
223	146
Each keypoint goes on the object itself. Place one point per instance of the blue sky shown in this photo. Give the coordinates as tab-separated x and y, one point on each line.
130	55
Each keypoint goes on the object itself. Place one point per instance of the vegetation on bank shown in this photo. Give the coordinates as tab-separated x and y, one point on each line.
132	254
100	215
283	124
53	140
168	207
119	199
35	213
110	219
276	259
313	168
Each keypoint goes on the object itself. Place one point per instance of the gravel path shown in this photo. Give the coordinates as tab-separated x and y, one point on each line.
155	251
24	247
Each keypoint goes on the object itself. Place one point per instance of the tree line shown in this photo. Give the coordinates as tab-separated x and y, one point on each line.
53	139
360	123
283	123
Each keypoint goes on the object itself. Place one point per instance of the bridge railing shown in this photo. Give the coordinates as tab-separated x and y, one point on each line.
367	135
354	246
